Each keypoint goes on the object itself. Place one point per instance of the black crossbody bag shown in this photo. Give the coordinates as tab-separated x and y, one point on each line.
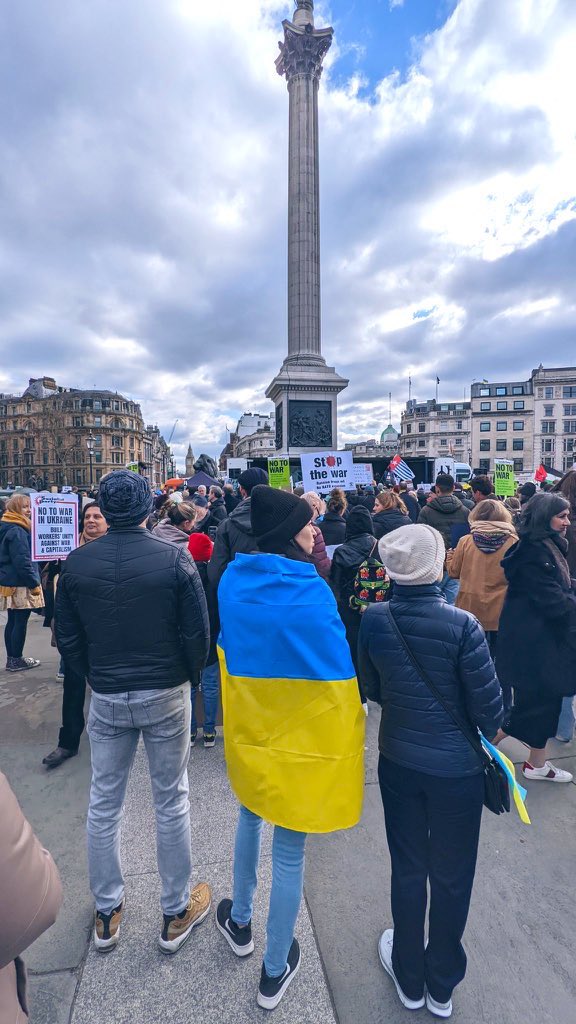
496	789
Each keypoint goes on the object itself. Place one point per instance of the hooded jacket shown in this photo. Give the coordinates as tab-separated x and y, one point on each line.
30	898
483	584
444	512
415	730
234	535
389	519
333	528
16	566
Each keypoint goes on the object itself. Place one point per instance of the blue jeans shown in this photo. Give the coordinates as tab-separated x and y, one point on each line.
565	728
287	882
209	689
449	588
115	723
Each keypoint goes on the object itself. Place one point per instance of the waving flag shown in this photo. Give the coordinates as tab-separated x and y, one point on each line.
400	470
293	721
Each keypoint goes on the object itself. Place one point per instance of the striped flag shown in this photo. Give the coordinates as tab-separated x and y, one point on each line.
400	470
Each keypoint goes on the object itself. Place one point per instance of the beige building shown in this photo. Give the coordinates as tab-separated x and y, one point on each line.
435	429
502	425
54	436
554	417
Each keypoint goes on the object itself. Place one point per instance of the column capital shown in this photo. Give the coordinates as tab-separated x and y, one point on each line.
303	50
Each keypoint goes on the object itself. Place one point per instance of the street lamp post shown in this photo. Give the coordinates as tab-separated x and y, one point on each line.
90	446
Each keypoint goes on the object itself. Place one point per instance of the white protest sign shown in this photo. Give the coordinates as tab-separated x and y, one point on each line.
363	474
54	526
324	470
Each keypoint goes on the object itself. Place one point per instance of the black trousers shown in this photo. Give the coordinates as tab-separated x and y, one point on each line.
73	696
433	828
15	631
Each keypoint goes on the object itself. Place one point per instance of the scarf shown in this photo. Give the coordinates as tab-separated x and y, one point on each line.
16	517
489	537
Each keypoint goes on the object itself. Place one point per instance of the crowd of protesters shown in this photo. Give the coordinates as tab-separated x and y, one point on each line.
441	607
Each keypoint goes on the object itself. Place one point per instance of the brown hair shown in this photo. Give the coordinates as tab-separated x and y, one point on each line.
16	503
179	512
337	501
490	511
567	487
389	499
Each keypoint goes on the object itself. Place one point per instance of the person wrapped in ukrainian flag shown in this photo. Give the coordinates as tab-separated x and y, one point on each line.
293	723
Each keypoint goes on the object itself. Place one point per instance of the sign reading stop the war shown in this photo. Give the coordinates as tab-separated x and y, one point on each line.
54	526
325	470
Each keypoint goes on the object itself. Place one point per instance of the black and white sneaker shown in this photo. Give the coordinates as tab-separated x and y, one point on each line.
239	939
271	990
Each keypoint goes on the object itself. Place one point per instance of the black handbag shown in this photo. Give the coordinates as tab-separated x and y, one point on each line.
496	789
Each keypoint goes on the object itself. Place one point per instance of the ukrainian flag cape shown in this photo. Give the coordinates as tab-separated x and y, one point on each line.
293	721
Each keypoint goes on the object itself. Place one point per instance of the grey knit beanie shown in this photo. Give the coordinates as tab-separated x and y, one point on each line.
413	555
125	499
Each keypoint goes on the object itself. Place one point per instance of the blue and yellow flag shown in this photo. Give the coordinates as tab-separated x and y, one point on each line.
293	721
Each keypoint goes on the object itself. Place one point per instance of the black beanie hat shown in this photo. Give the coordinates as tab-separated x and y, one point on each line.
277	516
251	477
125	499
359	521
527	491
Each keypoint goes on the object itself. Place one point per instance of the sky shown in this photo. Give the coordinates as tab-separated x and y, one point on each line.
143	189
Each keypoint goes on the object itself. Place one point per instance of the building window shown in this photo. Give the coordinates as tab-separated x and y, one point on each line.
484	392
408	444
484	446
501	406
116	406
78	421
116	441
518	465
518	444
484	465
517	389
549	427
570	410
97	456
519	405
485	406
568	444
501	444
421	443
443	424
421	427
443	441
501	391
548	445
45	459
549	410
566	393
97	439
485	425
518	425
549	393
501	425
569	427
97	421
458	424
408	428
97	405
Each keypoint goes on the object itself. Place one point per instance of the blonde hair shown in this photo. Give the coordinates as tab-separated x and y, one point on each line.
16	503
490	511
389	499
179	512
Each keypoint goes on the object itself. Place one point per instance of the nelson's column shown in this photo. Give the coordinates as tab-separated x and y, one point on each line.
305	391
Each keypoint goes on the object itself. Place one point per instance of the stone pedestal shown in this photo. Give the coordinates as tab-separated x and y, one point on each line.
305	397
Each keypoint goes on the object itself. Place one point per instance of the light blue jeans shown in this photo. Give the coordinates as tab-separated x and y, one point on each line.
449	588
287	882
209	688
565	729
115	723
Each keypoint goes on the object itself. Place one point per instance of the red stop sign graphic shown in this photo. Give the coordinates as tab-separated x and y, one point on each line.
330	461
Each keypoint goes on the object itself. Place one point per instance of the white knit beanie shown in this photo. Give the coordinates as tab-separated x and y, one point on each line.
413	555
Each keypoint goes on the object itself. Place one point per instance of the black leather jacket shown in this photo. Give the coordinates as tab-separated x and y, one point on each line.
131	613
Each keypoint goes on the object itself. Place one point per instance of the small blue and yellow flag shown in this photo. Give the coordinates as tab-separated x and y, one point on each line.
293	721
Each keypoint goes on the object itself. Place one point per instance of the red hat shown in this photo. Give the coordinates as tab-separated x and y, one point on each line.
200	547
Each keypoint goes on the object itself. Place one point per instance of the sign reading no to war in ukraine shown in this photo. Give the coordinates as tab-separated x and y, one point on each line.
54	526
504	485
279	474
324	470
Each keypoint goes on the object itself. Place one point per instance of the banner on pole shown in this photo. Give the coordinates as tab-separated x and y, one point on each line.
504	483
279	474
54	526
324	470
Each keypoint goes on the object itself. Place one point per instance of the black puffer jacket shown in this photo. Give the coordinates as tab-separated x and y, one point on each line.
131	613
389	519
16	566
218	512
333	527
537	627
234	535
415	730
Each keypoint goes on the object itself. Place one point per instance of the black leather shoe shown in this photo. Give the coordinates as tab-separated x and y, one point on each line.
57	757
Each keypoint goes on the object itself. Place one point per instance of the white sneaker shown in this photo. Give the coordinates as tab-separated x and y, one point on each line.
365	706
385	954
549	773
438	1009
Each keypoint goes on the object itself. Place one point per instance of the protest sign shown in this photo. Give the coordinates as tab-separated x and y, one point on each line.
504	484
279	474
54	526
363	474
325	470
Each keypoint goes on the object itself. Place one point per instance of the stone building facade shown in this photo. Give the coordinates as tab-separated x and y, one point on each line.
434	429
554	395
502	425
48	433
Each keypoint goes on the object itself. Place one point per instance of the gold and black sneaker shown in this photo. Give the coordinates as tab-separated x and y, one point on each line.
107	928
177	927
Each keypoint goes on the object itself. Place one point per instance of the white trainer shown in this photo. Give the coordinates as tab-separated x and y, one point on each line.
549	773
385	954
438	1009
